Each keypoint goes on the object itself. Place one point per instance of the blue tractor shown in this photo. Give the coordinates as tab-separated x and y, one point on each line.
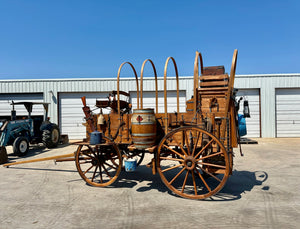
20	132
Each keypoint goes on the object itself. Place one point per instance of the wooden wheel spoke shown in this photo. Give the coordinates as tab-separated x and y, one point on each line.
174	151
94	173
177	175
194	183
88	155
179	144
184	182
92	151
171	159
84	162
110	166
212	175
187	143
100	172
204	182
113	161
88	169
174	167
212	165
201	151
105	170
195	146
208	156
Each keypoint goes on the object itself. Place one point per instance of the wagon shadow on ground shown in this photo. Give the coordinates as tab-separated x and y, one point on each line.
238	183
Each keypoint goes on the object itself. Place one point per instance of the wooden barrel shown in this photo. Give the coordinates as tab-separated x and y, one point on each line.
143	128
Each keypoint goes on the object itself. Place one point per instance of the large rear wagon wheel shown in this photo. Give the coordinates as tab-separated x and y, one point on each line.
192	163
99	165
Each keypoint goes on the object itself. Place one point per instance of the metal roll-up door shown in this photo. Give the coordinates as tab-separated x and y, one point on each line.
288	112
252	123
6	107
71	115
149	101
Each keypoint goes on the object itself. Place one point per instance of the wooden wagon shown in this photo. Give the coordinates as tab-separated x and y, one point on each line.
192	151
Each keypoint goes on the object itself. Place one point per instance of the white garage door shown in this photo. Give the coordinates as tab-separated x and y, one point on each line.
288	112
149	101
253	123
6	100
71	115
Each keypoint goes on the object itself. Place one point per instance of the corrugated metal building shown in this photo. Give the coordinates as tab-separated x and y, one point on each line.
274	100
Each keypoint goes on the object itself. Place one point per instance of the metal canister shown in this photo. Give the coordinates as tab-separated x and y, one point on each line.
96	138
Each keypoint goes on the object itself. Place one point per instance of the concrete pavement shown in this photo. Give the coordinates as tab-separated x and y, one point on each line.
263	192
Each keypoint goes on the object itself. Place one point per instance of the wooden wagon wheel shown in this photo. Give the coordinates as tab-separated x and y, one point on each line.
192	162
99	165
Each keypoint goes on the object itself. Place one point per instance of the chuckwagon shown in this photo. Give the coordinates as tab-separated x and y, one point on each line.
192	150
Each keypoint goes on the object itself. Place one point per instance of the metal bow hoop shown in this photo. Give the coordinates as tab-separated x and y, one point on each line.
196	76
156	84
118	86
165	90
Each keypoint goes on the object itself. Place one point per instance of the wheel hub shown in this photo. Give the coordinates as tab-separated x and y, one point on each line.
23	146
189	162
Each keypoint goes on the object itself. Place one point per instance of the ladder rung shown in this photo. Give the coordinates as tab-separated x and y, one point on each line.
214	77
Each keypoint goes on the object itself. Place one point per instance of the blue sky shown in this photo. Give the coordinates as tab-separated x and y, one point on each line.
91	38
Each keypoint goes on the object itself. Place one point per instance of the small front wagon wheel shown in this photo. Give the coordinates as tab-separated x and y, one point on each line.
99	165
192	163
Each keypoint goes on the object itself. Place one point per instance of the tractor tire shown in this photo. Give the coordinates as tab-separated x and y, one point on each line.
3	155
51	136
21	146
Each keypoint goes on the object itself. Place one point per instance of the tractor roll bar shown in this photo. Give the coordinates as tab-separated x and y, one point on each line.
156	84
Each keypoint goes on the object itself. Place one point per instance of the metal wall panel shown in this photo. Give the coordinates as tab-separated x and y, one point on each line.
288	112
267	83
6	107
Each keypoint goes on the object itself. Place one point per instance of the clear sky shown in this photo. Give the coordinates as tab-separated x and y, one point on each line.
91	38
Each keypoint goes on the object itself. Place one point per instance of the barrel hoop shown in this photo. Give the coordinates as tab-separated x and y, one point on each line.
142	146
144	111
143	135
142	123
144	143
